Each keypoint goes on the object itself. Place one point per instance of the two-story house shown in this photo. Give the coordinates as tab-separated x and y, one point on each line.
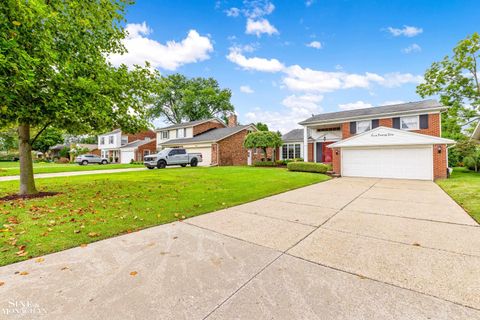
395	141
119	147
219	143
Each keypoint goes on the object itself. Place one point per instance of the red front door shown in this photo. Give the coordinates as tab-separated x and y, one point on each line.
326	152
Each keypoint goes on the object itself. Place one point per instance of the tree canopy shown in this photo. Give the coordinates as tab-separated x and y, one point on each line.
455	80
261	126
47	139
54	72
177	99
262	140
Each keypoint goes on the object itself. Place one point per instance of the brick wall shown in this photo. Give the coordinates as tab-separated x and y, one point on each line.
141	135
336	160
97	152
433	126
346	130
231	150
151	146
201	128
387	122
214	154
439	162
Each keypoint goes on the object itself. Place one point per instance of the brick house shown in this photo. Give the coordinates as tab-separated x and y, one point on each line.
395	141
123	148
219	143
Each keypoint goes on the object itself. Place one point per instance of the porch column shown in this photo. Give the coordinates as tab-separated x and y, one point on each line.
305	144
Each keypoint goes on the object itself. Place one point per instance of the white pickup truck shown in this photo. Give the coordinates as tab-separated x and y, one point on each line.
172	157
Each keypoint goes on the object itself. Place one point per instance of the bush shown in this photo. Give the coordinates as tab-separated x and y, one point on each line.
264	164
307	167
62	160
281	162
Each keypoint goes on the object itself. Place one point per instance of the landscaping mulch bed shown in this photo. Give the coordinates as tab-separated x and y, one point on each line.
13	197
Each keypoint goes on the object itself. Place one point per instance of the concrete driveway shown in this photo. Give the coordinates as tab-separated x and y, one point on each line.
344	249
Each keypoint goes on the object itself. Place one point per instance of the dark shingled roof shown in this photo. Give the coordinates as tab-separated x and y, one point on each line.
212	135
424	105
188	124
293	136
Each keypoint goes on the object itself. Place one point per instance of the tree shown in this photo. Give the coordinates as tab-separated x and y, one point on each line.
466	151
261	126
54	72
455	79
47	139
178	98
262	140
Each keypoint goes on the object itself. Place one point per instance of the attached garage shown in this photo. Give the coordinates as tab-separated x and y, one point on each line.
126	156
388	162
206	152
391	153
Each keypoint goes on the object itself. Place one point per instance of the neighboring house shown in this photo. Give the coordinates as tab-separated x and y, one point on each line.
395	141
119	147
187	130
218	143
476	133
54	151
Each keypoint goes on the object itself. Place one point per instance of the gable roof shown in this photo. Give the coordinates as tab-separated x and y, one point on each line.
410	107
476	132
189	124
136	143
383	136
209	136
294	136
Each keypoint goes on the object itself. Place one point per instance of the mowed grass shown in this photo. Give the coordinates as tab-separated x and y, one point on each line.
464	187
95	207
12	168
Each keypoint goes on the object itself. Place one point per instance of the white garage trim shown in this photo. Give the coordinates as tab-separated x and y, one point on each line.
126	156
397	162
206	152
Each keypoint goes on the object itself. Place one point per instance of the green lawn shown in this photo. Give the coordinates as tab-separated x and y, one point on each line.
12	168
464	187
95	207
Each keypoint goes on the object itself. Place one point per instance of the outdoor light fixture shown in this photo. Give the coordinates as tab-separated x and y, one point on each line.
324	138
336	152
439	149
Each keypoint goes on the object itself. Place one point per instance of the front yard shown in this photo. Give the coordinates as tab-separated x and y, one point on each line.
464	187
12	168
95	207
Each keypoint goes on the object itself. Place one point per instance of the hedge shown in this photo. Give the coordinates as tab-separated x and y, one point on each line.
307	167
264	164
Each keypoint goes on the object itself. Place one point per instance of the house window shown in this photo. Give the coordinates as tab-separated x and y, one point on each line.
181	133
124	140
409	123
164	134
102	140
110	139
363	126
291	151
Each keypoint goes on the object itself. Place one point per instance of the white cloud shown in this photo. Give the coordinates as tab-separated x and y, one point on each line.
308	3
314	44
257	27
258	8
397	79
355	105
412	48
169	56
407	31
246	89
258	64
304	104
233	12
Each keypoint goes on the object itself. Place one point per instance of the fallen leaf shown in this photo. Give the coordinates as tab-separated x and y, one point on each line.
93	234
83	245
23	273
38	260
416	244
65	268
21	253
2	283
133	273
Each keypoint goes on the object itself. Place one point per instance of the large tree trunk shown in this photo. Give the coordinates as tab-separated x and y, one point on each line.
27	183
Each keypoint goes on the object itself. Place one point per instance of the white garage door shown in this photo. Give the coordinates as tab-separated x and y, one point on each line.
126	156
385	162
206	154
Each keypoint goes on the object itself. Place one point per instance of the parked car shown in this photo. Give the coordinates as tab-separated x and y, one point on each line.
85	159
171	157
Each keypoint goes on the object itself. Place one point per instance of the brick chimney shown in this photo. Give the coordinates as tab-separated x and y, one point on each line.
232	120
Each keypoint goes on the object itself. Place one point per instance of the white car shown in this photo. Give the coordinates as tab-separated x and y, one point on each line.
85	159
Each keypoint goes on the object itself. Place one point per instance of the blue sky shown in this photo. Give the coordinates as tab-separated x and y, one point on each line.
284	60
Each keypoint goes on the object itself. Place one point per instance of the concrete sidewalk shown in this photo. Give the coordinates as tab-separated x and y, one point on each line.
73	173
327	251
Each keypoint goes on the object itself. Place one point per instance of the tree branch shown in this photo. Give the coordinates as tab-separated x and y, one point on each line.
39	133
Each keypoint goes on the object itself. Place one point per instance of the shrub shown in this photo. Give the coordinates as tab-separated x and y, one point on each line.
307	167
264	164
281	162
62	160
